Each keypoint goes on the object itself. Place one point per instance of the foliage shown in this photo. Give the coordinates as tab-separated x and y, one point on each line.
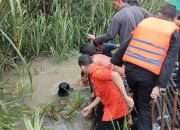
54	26
35	123
152	5
12	108
30	28
74	104
65	108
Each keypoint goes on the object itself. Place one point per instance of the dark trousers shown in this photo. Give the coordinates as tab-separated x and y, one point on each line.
178	79
98	113
111	125
141	82
178	73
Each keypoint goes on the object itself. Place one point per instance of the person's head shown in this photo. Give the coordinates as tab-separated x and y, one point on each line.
177	20
168	12
84	62
63	89
118	4
132	2
178	17
88	49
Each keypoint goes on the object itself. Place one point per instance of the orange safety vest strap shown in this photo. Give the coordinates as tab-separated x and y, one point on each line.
143	62
148	51
150	43
143	58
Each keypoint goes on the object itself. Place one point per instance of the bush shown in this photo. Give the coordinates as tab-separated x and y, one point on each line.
54	27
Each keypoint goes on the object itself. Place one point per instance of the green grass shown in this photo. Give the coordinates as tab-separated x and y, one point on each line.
58	32
35	122
152	5
12	108
26	31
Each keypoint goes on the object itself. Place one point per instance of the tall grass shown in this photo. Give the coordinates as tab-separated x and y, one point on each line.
35	123
28	31
12	108
56	33
19	54
152	5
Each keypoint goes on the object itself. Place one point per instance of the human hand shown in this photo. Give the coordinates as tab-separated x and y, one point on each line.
91	37
155	92
86	111
92	95
130	102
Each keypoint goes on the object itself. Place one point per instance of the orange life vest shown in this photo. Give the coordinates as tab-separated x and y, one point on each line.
150	43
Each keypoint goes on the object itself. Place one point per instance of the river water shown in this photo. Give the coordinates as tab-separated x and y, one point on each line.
47	74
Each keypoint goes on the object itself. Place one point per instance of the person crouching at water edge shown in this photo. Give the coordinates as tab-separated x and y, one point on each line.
109	90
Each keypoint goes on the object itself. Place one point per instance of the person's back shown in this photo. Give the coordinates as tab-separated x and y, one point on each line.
149	58
101	59
130	17
122	23
90	50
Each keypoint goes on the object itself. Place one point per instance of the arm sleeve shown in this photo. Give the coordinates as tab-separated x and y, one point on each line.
169	61
112	30
117	57
110	46
103	74
146	13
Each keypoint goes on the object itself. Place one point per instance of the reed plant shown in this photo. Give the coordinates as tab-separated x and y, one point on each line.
61	30
152	5
12	108
35	122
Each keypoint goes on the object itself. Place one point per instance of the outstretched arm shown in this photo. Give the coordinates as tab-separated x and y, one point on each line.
88	109
119	83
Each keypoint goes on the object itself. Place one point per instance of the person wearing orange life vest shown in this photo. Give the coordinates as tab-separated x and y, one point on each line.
149	57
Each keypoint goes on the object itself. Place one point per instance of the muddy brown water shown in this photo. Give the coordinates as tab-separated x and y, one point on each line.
46	75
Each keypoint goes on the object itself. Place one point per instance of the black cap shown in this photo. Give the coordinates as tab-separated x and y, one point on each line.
63	89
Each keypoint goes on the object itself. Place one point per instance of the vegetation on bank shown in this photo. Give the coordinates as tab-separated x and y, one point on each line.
30	28
52	27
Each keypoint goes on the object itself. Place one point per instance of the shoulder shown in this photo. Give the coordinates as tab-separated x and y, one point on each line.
121	15
176	35
97	70
175	39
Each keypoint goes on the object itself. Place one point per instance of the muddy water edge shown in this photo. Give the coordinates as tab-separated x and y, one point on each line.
47	74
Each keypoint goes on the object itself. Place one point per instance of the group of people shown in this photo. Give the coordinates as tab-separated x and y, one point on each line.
148	51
